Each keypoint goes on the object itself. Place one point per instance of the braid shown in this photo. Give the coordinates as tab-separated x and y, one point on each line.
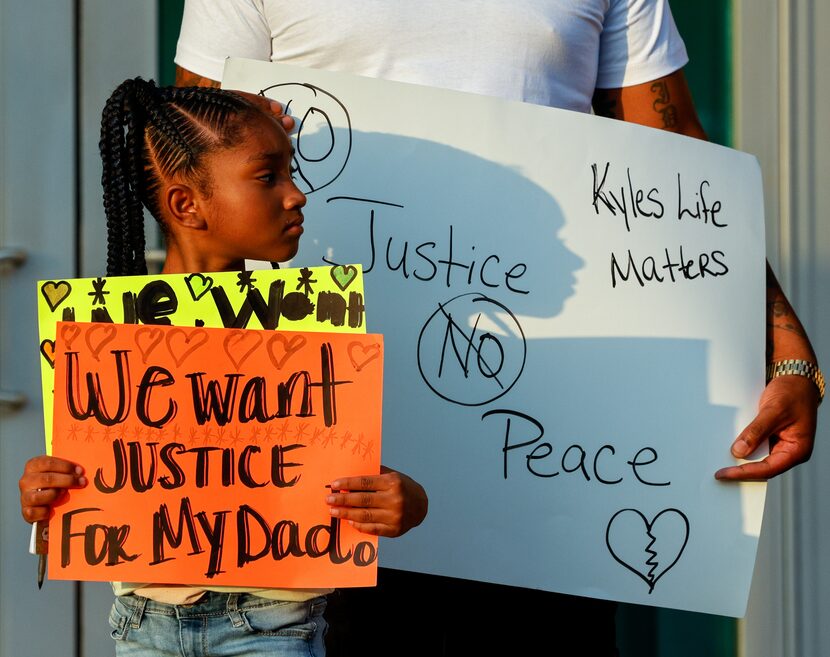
122	204
149	135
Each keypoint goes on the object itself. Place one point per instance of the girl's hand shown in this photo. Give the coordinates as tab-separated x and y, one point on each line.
44	483
388	504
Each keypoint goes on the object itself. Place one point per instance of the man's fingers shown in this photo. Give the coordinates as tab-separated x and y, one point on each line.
781	459
757	471
269	105
756	432
287	122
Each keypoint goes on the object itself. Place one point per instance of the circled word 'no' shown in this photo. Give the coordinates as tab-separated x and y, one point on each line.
463	362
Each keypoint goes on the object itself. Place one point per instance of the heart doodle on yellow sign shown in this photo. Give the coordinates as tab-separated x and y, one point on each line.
343	275
55	292
47	349
199	285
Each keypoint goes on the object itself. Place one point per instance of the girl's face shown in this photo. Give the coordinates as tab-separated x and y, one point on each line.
253	209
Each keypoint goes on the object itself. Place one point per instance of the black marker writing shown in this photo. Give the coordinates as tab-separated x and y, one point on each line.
631	202
670	266
143	465
433	259
523	434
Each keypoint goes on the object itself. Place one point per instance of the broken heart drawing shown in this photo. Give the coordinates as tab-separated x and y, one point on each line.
648	548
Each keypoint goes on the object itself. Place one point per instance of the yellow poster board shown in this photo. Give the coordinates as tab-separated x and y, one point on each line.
328	299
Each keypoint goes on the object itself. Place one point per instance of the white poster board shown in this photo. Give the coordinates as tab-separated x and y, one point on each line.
574	321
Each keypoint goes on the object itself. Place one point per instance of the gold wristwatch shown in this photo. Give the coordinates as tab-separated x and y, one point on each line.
798	368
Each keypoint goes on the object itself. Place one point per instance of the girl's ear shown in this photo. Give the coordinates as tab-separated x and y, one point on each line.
181	204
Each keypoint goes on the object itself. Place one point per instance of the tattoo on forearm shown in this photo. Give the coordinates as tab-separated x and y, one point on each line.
780	315
185	78
778	308
789	326
662	105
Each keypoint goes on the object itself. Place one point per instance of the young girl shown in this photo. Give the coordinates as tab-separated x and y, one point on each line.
214	168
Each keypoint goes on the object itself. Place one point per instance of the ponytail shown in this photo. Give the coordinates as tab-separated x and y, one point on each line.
149	134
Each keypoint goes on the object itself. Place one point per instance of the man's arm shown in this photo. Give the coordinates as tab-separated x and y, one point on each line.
185	78
787	409
665	103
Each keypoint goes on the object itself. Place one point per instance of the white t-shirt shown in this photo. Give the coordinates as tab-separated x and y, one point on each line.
549	52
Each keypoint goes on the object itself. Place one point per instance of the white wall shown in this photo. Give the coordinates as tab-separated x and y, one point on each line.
37	193
782	92
49	194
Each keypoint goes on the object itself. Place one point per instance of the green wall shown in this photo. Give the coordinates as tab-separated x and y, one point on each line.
170	19
706	26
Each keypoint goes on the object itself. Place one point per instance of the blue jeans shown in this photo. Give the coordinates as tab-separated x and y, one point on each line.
218	625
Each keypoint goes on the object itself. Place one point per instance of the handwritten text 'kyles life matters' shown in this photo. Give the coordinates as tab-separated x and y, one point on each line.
636	204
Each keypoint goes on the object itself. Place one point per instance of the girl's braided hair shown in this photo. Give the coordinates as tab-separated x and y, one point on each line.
149	134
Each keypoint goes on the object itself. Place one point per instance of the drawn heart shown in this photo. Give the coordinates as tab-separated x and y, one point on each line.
55	293
97	337
241	344
147	339
68	334
649	549
47	350
361	355
287	348
183	342
198	285
343	275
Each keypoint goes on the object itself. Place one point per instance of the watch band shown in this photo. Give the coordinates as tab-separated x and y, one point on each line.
798	368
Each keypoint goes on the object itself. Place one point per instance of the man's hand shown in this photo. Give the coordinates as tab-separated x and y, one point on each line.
787	419
787	411
185	78
44	484
388	504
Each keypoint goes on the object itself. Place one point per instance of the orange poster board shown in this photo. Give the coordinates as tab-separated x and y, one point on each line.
209	453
